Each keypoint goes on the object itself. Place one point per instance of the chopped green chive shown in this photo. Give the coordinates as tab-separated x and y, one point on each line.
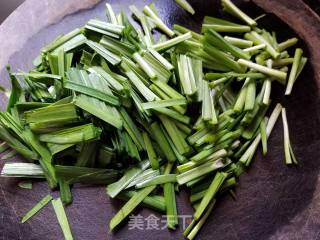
136	199
155	202
43	202
161	179
186	6
106	54
110	14
150	151
196	227
210	194
263	133
158	22
238	42
112	103
30	170
294	69
288	43
62	218
163	103
229	7
281	76
25	184
115	188
289	156
199	171
163	142
172	42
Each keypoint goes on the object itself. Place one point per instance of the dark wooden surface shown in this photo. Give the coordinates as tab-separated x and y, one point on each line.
273	201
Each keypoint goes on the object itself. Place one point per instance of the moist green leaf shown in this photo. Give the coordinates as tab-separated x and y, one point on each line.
43	202
137	198
25	184
62	218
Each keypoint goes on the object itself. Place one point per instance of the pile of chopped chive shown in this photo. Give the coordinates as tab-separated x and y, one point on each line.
112	104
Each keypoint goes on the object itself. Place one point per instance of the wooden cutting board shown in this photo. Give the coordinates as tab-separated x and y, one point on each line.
273	201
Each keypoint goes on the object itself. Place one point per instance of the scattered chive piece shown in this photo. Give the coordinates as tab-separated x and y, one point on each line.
150	151
186	6
29	170
267	91
201	221
255	48
281	76
136	199
162	141
144	65
25	184
225	28
294	69
65	192
263	133
259	40
161	179
172	42
62	218
170	200
153	201
210	194
159	23
36	208
111	15
229	7
115	188
250	95
199	171
288	43
289	155
112	104
106	54
163	103
238	42
248	154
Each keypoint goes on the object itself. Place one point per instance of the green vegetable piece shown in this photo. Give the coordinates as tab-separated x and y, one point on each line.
25	184
162	141
279	75
186	6
199	171
62	218
172	42
115	188
229	7
36	208
201	221
289	155
294	69
137	198
161	179
150	151
29	170
210	194
263	132
155	202
65	192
